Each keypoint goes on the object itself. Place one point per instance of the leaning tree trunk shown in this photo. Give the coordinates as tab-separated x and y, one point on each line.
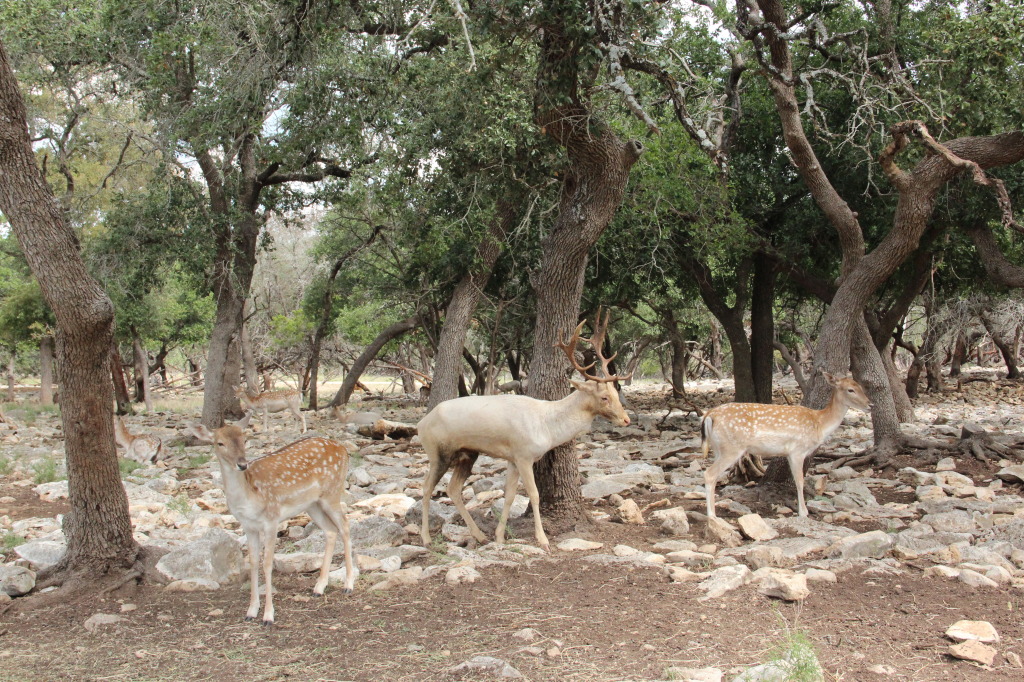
367	356
46	370
598	169
452	339
98	530
1012	372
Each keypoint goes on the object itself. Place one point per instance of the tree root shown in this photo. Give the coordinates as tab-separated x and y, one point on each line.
750	468
82	581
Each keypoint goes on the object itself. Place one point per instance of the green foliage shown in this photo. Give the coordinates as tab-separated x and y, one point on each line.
180	503
6	466
45	471
197	461
796	655
127	466
11	540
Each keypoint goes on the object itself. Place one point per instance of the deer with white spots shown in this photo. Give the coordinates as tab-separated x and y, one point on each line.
516	428
272	401
305	476
791	431
144	449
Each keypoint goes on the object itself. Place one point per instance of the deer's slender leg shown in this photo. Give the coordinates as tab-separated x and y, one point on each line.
526	472
511	484
461	467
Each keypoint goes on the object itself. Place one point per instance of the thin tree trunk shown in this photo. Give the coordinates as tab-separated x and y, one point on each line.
368	355
1012	372
46	370
459	313
97	528
762	328
11	393
252	376
124	401
142	393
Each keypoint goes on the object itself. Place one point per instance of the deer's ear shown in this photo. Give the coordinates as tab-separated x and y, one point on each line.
243	423
201	433
579	386
829	378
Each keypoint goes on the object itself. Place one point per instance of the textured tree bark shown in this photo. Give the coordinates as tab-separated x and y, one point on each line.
142	392
762	328
452	339
367	356
252	375
46	370
124	401
1012	372
11	395
98	530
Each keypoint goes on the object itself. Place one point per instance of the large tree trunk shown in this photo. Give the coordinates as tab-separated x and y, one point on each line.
1005	349
594	181
98	530
46	370
367	356
452	339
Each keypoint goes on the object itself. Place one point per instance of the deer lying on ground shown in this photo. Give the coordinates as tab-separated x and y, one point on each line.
305	476
791	431
272	401
516	428
144	449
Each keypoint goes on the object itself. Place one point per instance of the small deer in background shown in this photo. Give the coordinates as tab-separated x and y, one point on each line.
517	429
144	449
305	476
272	401
791	431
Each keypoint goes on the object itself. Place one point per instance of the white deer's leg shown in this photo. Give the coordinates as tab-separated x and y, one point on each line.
255	552
796	467
511	484
270	540
266	420
434	474
526	473
461	468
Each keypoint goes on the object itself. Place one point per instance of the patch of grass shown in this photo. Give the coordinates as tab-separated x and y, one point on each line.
6	466
11	540
180	504
45	471
127	466
29	412
196	461
796	655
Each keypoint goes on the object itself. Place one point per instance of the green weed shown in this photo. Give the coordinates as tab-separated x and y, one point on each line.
10	540
127	466
45	471
180	504
197	461
6	466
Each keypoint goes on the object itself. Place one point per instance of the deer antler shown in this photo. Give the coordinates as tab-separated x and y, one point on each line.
597	342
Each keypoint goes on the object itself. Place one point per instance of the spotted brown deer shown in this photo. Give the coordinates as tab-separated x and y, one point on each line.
791	431
516	428
145	448
305	476
272	401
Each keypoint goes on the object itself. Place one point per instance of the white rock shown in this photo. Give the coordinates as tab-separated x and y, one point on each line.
390	564
756	528
625	550
721	531
694	674
629	512
946	464
819	575
53	491
691	559
487	665
672	521
461	574
942	571
16	580
578	545
724	580
403	576
192	585
972	650
678	574
298	562
786	587
980	630
217	556
975	579
874	544
41	554
98	620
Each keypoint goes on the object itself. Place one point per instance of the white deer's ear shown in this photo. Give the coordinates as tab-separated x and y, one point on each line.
579	386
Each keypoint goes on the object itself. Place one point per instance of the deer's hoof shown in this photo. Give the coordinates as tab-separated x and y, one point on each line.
317	594
249	619
347	590
268	623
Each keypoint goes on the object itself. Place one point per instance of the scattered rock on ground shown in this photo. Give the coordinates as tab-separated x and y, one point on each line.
973	650
980	630
16	580
487	665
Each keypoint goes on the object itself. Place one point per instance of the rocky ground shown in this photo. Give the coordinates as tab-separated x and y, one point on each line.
913	572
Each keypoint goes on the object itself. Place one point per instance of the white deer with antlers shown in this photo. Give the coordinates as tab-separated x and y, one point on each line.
305	476
791	431
272	401
516	428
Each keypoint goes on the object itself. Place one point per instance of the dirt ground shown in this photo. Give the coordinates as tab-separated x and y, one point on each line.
593	621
